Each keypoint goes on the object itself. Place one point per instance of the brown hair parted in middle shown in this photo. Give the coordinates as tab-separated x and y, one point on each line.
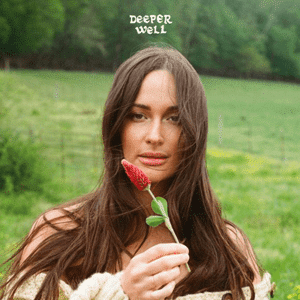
195	212
100	230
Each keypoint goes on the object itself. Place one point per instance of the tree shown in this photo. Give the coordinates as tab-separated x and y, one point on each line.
115	25
185	14
73	37
282	44
121	37
27	25
279	22
218	37
89	32
202	46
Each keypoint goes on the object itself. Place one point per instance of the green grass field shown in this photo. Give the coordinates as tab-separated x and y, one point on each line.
253	158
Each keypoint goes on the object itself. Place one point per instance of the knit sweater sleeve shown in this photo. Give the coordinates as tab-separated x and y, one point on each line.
98	286
107	286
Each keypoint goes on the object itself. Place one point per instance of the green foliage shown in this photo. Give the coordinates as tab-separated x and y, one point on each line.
121	39
21	167
45	19
262	198
18	204
222	39
119	35
87	34
80	30
4	30
160	206
154	221
25	26
231	34
296	292
235	36
250	60
257	193
282	44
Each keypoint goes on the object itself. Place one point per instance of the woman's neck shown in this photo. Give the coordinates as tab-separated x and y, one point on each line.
145	198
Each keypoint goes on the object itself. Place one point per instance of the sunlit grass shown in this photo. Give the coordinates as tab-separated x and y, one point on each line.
245	115
261	195
257	116
258	190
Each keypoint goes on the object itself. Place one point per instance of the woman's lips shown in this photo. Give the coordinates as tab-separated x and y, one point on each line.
152	161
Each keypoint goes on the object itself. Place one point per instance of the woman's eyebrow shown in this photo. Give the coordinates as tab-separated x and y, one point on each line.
169	109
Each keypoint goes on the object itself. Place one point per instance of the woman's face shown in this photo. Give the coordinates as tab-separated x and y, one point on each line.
151	131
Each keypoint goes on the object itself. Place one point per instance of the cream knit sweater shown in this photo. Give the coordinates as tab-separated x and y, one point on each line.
105	286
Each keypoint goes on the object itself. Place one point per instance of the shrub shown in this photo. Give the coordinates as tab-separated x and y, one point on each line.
249	60
21	164
282	51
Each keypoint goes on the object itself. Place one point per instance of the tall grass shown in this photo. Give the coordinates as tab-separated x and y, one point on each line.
258	190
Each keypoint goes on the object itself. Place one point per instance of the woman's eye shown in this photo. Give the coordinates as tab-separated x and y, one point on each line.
174	119
136	117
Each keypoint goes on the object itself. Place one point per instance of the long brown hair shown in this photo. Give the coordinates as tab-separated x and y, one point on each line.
100	230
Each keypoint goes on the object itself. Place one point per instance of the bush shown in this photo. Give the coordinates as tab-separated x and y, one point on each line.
282	48
21	165
19	204
250	60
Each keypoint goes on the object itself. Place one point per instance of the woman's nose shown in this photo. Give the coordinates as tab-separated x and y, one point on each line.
154	134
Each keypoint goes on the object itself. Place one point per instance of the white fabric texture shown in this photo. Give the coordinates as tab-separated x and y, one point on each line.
262	290
105	286
100	286
30	288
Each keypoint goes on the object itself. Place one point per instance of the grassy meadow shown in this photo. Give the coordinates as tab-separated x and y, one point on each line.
253	159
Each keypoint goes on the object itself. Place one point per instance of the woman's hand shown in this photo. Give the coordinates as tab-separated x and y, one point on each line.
153	274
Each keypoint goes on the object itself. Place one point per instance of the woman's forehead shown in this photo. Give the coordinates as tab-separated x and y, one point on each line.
158	86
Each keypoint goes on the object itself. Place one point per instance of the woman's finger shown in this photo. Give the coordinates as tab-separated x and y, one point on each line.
161	250
166	263
153	271
160	279
162	293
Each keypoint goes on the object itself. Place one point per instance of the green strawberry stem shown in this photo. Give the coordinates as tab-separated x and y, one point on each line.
167	221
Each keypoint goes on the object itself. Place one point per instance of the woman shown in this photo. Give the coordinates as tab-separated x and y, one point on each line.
156	118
